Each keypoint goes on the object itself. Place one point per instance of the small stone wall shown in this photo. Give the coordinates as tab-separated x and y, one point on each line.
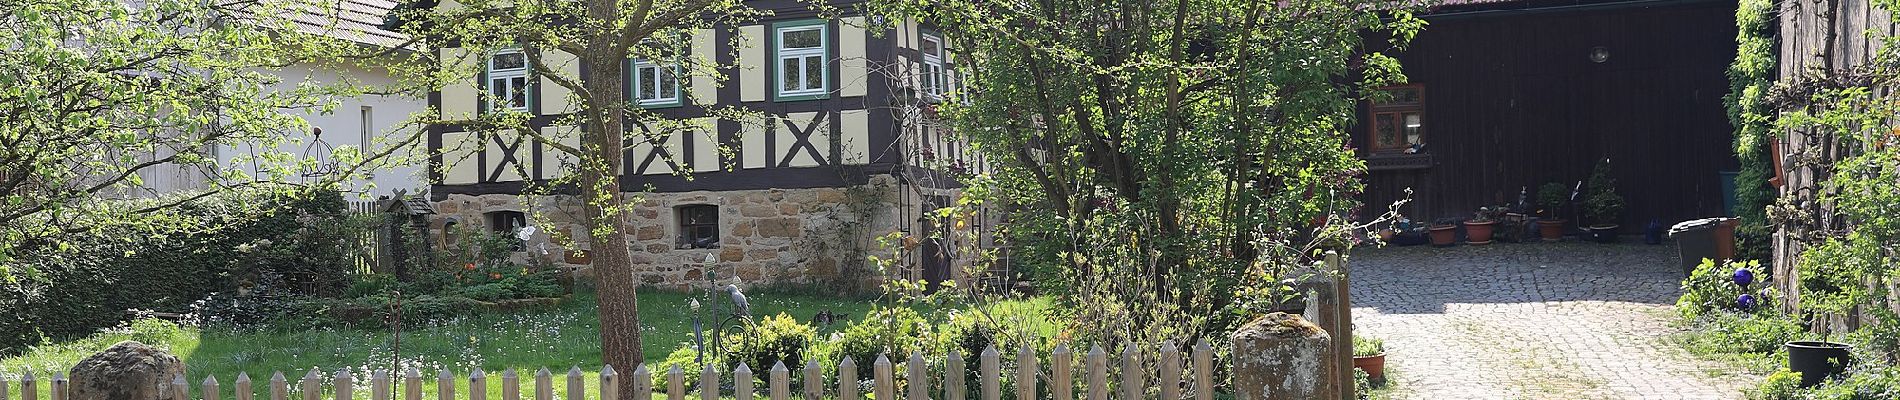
766	236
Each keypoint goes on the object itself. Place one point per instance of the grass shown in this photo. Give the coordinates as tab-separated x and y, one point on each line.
1742	344
556	338
1388	389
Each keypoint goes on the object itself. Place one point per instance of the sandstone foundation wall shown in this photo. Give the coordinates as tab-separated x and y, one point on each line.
766	236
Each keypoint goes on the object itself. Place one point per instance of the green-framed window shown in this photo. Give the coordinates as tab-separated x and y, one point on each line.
934	79
801	51
652	84
506	77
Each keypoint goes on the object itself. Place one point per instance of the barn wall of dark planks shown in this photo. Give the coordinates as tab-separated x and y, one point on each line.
1514	99
1817	36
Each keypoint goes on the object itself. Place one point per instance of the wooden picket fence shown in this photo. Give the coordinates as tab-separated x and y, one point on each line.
1060	380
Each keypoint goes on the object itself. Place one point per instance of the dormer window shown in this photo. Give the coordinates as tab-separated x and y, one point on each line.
508	79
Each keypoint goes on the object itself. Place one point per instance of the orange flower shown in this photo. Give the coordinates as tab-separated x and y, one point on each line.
470	267
494	275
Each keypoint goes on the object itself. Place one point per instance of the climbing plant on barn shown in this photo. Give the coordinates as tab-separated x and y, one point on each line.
1750	76
1845	227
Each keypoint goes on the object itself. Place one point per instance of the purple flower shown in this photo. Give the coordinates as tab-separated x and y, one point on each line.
1743	277
1745	302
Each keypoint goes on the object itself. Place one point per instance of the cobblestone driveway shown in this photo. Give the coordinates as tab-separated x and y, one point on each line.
1531	321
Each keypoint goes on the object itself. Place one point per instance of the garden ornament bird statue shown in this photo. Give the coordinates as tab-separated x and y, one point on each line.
739	305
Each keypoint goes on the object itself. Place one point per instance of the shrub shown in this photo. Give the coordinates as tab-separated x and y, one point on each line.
1831	276
686	358
1867	381
264	300
772	340
895	332
967	334
1603	206
1712	286
16	334
1365	346
221	244
1551	198
1781	385
1728	332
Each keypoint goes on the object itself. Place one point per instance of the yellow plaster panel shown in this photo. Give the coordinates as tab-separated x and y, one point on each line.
554	98
752	63
907	34
459	98
854	136
852	62
820	139
705	137
642	148
913	71
458	158
703	88
752	150
554	162
511	171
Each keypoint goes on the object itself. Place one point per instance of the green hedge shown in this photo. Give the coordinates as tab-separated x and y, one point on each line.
86	281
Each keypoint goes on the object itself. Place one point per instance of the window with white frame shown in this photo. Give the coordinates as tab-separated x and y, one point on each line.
801	59
508	79
654	84
933	74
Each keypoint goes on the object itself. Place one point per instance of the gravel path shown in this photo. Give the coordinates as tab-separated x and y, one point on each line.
1531	321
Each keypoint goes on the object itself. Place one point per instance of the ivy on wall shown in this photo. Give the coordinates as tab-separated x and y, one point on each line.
1751	76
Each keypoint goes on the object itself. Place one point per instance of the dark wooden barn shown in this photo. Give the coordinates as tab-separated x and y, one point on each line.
1507	95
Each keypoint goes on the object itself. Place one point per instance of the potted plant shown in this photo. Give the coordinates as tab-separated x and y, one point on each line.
1550	201
1603	207
1478	229
1444	232
1831	287
1368	354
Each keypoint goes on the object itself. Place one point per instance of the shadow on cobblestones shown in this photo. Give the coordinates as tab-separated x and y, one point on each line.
1533	320
1421	279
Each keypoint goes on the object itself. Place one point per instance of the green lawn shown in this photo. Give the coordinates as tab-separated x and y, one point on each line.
555	338
558	338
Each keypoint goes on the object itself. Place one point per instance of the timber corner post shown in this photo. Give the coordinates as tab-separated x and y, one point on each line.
1342	331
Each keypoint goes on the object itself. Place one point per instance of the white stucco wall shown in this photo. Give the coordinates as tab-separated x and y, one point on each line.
345	126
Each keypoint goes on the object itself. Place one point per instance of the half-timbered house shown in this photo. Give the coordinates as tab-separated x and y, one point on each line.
843	157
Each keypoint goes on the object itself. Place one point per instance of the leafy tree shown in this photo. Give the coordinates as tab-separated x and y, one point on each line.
94	94
601	35
1169	160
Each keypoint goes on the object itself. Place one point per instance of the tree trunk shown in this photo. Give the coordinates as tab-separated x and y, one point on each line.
601	201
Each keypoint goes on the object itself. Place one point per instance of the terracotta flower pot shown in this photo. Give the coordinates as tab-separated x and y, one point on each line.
1551	229
1479	233
1386	235
1374	365
1444	235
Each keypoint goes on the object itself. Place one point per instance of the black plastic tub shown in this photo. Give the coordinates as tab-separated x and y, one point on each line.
1818	361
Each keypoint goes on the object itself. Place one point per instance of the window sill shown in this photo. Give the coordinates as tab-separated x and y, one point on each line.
801	97
1397	161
